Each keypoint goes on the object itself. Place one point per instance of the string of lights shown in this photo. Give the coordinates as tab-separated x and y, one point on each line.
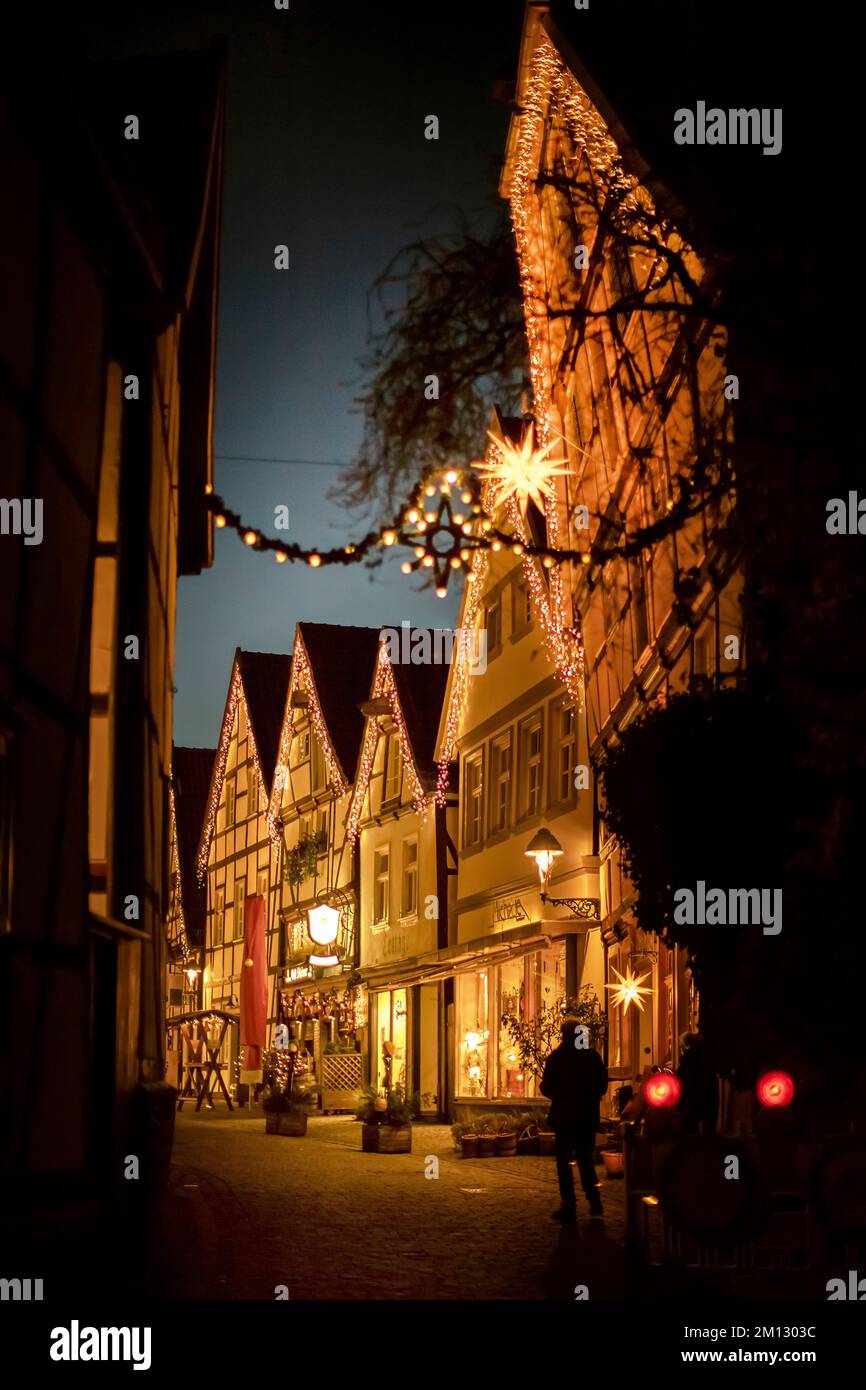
222	753
384	686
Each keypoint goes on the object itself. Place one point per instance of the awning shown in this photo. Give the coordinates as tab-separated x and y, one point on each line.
464	958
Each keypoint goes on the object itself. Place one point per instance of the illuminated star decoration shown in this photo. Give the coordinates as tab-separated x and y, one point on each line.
522	471
629	989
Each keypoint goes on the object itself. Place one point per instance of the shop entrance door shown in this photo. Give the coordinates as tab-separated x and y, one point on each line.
391	1035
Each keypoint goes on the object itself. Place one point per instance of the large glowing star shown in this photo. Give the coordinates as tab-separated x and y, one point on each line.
629	989
523	471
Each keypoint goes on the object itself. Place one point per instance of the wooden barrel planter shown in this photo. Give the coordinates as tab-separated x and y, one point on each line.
386	1139
292	1122
486	1145
469	1146
506	1145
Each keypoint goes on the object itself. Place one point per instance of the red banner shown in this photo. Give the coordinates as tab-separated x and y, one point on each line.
254	988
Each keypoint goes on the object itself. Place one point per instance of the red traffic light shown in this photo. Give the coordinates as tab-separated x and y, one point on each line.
775	1088
662	1089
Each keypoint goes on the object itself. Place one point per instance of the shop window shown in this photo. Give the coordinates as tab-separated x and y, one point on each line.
409	879
393	768
512	1003
240	894
472	1034
500	784
473	800
391	1034
381	884
531	759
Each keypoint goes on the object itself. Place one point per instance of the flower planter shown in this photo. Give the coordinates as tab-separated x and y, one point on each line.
486	1145
506	1145
292	1122
546	1143
386	1139
613	1163
527	1143
469	1146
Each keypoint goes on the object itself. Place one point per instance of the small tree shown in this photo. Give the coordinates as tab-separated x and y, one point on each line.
535	1038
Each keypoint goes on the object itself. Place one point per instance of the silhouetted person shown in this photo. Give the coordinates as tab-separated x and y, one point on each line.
574	1080
699	1102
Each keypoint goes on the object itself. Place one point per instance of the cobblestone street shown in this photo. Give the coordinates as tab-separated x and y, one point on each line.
249	1211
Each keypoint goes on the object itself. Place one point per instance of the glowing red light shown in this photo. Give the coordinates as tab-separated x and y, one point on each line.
775	1088
662	1089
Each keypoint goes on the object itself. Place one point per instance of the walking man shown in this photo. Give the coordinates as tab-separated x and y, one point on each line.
574	1080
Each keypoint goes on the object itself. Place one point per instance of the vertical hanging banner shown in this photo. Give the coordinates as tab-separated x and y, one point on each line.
254	989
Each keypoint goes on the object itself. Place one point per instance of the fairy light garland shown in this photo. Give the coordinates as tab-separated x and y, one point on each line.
302	679
384	686
222	753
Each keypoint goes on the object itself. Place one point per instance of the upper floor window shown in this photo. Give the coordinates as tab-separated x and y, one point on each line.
318	765
253	783
409	882
381	884
240	894
219	917
300	747
393	768
473	803
521	608
531	764
500	784
565	753
640	624
493	624
230	801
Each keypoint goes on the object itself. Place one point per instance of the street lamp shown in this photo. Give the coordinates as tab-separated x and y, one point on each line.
544	848
323	925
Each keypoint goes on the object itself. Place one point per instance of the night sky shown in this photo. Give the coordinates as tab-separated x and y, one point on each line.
325	152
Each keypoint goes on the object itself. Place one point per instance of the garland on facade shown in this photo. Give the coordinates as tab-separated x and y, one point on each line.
302	679
218	775
384	687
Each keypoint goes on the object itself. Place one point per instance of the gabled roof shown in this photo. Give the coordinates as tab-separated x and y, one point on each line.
191	770
263	677
421	693
415	693
342	660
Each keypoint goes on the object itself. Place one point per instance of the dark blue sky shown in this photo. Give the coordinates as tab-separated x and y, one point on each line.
325	153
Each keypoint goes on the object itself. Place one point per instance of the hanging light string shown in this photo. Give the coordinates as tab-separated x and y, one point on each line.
384	686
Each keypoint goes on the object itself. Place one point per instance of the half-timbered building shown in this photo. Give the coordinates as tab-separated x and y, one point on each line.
236	854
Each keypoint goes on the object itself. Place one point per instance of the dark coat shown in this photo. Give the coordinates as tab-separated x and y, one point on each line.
574	1081
700	1098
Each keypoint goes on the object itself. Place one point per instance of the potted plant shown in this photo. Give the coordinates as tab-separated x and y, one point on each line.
465	1139
486	1139
285	1113
612	1157
386	1118
506	1138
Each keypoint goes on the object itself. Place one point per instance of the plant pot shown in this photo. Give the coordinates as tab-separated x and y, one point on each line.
486	1145
546	1143
469	1146
506	1145
386	1139
293	1122
613	1163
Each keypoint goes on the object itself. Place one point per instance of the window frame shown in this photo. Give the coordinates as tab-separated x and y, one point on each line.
380	878
526	727
408	872
474	760
219	917
238	907
497	744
